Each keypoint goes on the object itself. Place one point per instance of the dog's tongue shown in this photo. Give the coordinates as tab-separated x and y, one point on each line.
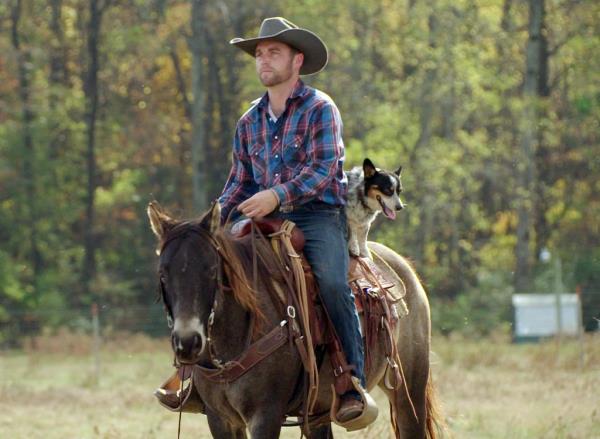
388	212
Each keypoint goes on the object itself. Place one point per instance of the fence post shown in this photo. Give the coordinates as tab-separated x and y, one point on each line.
558	287
580	333
96	346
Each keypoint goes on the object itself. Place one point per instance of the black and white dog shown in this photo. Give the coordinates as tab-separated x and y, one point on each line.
370	191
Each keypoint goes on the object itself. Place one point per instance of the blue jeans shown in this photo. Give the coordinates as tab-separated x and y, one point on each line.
326	249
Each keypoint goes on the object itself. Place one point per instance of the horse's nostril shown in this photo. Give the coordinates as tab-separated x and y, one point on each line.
176	343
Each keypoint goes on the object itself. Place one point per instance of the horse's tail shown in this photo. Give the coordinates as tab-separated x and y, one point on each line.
435	426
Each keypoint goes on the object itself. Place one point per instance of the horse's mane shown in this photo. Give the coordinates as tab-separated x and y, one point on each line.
239	256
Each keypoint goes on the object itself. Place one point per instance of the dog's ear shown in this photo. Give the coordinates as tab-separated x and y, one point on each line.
212	219
398	171
160	221
369	168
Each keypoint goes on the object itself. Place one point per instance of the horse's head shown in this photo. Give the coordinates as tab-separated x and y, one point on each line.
190	274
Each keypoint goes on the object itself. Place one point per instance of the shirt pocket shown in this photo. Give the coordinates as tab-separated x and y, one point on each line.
294	153
257	157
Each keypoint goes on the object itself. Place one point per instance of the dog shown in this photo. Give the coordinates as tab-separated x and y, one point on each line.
370	191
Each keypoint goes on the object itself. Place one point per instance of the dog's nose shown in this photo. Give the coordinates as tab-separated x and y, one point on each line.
400	206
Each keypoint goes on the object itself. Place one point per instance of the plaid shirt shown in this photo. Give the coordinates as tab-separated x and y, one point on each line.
300	156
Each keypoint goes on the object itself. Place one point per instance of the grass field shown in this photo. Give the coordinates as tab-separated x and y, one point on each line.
489	389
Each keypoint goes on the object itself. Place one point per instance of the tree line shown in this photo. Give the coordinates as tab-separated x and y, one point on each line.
492	109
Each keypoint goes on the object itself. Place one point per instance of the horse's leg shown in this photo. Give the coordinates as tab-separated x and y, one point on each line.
322	432
408	403
407	425
223	430
266	422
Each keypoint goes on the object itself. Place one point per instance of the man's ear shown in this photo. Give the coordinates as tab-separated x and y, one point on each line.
299	60
160	221
398	171
369	168
211	220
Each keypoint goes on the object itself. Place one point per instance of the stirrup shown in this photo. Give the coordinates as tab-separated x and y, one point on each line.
171	396
368	415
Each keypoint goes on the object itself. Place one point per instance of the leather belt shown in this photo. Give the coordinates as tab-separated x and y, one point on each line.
311	205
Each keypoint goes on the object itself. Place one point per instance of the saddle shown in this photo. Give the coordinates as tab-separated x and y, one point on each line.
379	298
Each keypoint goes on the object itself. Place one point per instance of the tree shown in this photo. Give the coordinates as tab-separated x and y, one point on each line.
535	67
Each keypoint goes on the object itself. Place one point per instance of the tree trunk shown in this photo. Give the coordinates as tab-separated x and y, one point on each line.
425	133
184	143
91	96
199	150
24	64
528	144
58	77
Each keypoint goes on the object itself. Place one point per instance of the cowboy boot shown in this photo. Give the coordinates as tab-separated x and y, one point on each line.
351	406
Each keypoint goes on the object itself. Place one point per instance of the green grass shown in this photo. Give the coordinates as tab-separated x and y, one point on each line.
489	389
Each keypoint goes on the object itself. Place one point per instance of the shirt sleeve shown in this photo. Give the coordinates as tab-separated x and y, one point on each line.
324	150
240	184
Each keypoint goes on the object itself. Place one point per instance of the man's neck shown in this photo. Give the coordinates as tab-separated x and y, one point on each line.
279	94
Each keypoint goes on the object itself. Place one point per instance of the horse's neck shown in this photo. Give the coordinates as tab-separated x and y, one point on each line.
231	328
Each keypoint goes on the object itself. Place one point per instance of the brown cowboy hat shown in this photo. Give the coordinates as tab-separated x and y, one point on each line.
280	29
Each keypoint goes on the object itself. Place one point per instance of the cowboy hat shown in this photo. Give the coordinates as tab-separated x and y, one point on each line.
280	29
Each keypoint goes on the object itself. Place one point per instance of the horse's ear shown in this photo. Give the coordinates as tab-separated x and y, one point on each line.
369	168
398	171
211	220
160	221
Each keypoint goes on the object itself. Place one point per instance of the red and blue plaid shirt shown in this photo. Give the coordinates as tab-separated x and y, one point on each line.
300	156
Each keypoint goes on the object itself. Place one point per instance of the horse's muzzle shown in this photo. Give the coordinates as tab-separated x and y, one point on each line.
187	346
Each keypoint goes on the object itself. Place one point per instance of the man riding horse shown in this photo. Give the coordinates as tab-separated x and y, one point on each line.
288	157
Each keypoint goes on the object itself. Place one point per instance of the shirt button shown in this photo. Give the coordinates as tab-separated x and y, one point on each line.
276	156
276	174
295	145
276	137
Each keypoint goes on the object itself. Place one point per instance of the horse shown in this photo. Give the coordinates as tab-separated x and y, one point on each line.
219	299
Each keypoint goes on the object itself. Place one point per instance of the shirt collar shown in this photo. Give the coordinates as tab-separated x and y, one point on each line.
298	91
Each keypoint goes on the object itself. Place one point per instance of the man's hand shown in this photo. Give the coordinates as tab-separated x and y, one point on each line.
260	204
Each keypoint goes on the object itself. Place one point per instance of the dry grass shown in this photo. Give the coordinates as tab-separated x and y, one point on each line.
493	389
489	388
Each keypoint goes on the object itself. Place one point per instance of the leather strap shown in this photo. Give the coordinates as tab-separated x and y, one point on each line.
255	353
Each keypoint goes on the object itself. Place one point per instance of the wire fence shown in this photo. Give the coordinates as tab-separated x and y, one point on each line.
150	319
103	320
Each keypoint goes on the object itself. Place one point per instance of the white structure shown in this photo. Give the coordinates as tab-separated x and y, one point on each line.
536	315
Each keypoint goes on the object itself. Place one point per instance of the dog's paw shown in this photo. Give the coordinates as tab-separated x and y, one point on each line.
354	249
364	252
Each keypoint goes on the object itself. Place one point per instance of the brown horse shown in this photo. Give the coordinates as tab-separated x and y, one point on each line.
218	306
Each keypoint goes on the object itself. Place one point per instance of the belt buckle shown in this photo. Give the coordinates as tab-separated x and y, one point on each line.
286	209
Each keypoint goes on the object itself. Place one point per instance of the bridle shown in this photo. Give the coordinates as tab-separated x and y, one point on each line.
180	232
287	331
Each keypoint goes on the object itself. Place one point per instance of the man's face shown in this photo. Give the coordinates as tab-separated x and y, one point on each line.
276	62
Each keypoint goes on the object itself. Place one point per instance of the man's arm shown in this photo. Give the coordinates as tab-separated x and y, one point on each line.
240	183
325	149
